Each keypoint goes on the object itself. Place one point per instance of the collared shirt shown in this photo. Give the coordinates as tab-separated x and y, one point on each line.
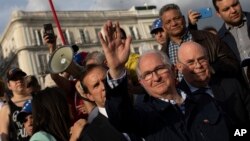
114	83
92	115
241	37
173	49
240	34
103	111
193	89
173	102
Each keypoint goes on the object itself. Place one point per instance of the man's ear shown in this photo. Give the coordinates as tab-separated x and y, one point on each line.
141	82
90	96
164	29
8	85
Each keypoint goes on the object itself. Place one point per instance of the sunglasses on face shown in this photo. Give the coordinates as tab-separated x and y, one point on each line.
16	78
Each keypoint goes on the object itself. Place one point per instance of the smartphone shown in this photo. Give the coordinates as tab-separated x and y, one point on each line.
205	12
48	30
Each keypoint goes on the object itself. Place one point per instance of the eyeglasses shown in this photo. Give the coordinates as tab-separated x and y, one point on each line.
193	63
16	78
158	70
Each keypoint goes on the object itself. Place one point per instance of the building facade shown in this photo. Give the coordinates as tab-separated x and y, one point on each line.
22	44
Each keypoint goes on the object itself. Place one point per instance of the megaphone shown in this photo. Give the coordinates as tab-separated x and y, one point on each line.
62	60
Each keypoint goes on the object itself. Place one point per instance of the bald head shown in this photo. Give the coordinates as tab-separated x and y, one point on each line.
189	48
193	64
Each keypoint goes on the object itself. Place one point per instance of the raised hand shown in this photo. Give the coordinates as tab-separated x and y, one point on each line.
193	17
116	51
51	45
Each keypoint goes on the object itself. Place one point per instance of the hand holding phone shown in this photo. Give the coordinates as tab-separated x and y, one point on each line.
205	12
48	30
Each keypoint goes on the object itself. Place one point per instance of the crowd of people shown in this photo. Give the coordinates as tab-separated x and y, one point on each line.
194	89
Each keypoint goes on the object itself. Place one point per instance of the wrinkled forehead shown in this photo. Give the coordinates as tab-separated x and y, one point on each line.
150	61
98	71
193	52
171	13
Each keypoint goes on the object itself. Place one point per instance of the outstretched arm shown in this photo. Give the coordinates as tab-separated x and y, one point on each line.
116	51
59	80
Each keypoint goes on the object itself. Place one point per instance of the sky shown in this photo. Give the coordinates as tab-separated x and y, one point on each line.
8	6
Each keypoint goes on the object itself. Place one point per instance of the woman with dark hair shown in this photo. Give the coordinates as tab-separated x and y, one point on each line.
51	116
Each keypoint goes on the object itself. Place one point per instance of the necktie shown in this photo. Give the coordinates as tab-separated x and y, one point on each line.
204	91
201	91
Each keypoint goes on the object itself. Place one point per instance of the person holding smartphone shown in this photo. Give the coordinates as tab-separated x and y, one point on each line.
223	61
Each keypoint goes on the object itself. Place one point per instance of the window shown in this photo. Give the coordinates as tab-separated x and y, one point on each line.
13	44
67	36
97	30
156	47
84	36
134	33
42	63
136	50
38	37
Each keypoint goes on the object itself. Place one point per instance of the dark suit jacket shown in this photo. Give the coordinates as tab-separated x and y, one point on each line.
157	120
229	39
231	96
101	130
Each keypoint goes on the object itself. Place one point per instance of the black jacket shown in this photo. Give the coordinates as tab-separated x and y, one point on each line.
232	98
100	130
157	120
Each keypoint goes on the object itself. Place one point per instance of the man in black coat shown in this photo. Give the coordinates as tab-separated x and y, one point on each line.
168	114
229	93
97	127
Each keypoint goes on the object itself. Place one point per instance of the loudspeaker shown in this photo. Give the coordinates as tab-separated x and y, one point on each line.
62	60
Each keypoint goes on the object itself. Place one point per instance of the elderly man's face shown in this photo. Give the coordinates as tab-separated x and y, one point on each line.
155	76
173	23
194	65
